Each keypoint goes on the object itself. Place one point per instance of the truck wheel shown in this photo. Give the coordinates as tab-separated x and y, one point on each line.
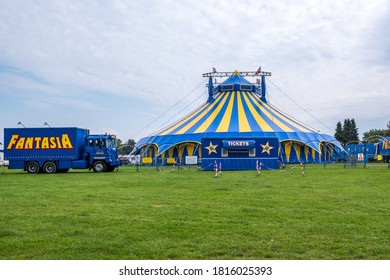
32	167
99	166
49	167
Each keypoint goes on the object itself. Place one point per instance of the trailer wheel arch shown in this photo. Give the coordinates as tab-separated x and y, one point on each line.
110	168
49	167
62	170
32	167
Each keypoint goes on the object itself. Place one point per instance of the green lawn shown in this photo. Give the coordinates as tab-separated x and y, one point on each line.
330	213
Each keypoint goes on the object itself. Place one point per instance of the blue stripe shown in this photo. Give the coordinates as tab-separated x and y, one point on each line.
233	125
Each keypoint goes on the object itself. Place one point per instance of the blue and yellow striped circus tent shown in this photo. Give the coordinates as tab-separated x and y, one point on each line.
237	108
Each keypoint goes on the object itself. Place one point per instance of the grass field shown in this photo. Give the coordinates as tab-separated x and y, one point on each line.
330	213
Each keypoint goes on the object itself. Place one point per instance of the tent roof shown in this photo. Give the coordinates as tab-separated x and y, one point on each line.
237	79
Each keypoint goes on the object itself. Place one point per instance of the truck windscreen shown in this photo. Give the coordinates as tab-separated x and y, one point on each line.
110	143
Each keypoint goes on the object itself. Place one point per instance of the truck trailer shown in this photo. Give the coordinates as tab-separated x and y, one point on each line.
58	149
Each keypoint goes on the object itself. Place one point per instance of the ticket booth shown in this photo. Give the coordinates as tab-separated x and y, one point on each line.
240	153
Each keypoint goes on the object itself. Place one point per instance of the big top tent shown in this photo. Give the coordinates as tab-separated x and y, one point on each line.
237	109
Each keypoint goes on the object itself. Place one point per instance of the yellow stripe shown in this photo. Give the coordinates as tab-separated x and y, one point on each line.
287	150
189	125
168	130
224	124
260	121
213	115
170	152
273	119
294	123
297	148
242	120
307	153
190	149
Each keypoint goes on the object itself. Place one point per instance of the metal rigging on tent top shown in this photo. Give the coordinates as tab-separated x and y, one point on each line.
258	88
214	73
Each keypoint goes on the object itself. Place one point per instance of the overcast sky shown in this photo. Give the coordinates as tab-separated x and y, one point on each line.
130	67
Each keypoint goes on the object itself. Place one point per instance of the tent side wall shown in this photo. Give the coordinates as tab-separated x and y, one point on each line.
289	152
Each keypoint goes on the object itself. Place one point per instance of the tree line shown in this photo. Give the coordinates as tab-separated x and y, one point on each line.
347	133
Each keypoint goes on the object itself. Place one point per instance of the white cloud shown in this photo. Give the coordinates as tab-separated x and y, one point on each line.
330	56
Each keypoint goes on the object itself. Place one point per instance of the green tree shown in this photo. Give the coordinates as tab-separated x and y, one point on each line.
118	142
354	137
377	132
348	132
339	135
125	148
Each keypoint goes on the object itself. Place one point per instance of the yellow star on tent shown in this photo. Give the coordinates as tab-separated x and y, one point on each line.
212	148
266	148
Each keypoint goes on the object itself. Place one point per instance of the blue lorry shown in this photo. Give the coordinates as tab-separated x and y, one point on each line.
58	149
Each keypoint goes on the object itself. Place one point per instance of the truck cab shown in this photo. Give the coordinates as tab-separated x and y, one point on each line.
101	152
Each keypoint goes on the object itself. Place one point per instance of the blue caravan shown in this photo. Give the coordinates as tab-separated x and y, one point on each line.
365	152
